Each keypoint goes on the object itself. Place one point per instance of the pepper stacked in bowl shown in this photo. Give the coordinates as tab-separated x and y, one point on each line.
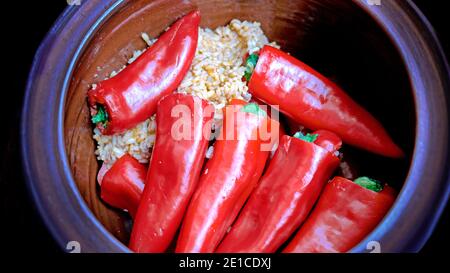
259	191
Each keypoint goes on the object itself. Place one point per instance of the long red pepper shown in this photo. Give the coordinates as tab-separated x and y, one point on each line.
183	131
123	183
229	177
285	195
345	213
131	96
315	102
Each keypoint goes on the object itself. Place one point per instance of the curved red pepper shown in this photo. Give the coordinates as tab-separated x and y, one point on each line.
183	131
122	185
343	216
229	177
131	96
315	102
285	194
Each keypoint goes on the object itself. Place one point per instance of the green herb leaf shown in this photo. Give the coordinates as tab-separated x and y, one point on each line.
250	65
101	116
308	137
370	184
254	109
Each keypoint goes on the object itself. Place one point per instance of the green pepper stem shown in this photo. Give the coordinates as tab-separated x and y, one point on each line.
101	116
308	137
254	109
250	65
370	184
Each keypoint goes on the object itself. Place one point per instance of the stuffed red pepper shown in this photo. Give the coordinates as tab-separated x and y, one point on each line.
346	212
123	101
228	178
314	101
183	132
123	183
286	193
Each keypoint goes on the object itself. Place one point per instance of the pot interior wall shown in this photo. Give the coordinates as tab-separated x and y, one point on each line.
334	37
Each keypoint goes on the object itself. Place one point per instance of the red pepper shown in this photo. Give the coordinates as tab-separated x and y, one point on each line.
131	96
285	195
345	214
227	180
271	111
275	123
183	132
122	185
315	102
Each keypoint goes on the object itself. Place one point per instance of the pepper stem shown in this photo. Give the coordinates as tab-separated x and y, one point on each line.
370	184
254	109
250	65
308	137
101	116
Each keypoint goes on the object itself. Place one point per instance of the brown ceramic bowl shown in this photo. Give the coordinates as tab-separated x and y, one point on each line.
386	57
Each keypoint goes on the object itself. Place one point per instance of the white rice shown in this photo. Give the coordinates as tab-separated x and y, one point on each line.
215	75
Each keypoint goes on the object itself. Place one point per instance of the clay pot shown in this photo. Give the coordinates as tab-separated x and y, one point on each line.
386	57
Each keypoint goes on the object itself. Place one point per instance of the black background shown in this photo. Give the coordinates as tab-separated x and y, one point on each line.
26	23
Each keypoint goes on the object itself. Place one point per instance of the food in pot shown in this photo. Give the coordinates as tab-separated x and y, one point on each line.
346	212
173	172
215	75
123	101
286	193
218	185
123	183
227	180
314	101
